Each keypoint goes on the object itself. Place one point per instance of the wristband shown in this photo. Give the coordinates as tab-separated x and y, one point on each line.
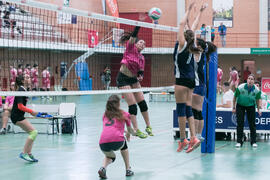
140	73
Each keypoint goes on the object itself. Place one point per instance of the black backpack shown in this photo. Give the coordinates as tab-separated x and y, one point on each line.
67	126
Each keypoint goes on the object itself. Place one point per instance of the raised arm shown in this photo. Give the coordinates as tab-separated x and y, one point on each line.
134	34
197	20
183	22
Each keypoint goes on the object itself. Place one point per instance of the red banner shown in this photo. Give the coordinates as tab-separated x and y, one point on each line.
266	85
92	38
112	4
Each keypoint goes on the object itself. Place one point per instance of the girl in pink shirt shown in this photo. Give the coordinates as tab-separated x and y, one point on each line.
34	77
219	78
20	70
13	74
7	109
27	70
234	78
129	77
112	136
46	83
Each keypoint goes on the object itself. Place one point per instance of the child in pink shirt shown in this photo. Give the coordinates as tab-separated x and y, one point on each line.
112	136
7	109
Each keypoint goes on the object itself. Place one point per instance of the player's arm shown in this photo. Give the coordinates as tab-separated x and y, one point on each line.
183	22
197	20
134	35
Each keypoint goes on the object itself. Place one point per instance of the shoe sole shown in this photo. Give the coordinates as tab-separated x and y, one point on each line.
101	175
180	150
195	146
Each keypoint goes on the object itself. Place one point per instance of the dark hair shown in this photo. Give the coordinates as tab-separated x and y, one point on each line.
234	68
227	84
126	36
19	81
207	47
252	76
20	66
189	37
35	65
203	25
27	65
112	108
257	82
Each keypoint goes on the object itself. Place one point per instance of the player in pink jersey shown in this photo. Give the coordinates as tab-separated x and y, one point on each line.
234	78
27	70
34	77
219	78
13	74
46	83
112	136
20	70
7	109
129	77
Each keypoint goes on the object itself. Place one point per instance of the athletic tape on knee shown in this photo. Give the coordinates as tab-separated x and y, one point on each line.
195	114
143	106
33	134
189	111
200	116
132	109
181	109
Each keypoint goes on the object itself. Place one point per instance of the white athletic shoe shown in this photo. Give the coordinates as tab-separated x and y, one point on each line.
238	145
254	145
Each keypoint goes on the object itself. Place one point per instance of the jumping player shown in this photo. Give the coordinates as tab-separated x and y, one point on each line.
112	136
207	48
129	77
185	53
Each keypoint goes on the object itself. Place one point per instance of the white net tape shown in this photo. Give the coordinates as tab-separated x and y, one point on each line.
79	93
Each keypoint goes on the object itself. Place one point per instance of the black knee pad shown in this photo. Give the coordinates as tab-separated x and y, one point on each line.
125	146
132	109
143	106
113	159
200	116
34	89
189	111
195	114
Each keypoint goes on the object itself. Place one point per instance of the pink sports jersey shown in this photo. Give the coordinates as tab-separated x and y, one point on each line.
1	101
27	71
34	75
113	129
20	72
133	59
13	75
10	100
234	76
46	79
219	74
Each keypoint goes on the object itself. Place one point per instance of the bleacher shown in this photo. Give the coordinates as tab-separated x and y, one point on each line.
28	27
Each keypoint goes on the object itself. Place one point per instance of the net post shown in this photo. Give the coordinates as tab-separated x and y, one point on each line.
209	106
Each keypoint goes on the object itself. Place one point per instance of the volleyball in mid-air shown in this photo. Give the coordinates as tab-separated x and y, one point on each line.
154	13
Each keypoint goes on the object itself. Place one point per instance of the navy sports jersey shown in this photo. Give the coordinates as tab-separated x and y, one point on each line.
199	73
183	63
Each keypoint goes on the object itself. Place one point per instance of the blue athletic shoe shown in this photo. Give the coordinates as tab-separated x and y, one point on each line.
33	158
26	157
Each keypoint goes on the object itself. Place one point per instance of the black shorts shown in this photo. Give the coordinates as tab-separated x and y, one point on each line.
113	146
189	83
16	118
124	80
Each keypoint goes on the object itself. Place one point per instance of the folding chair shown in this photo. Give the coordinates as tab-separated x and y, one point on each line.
66	110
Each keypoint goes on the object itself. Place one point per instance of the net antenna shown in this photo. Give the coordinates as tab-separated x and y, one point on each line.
84	56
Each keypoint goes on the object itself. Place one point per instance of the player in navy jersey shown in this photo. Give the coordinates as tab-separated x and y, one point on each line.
207	48
185	54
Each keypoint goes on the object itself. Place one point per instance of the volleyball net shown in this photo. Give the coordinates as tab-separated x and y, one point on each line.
74	49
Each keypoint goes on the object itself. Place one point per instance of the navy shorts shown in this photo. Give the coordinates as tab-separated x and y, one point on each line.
199	90
113	146
189	83
124	80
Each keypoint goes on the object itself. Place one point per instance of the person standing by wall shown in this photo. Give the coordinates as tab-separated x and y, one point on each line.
203	32
222	29
246	97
